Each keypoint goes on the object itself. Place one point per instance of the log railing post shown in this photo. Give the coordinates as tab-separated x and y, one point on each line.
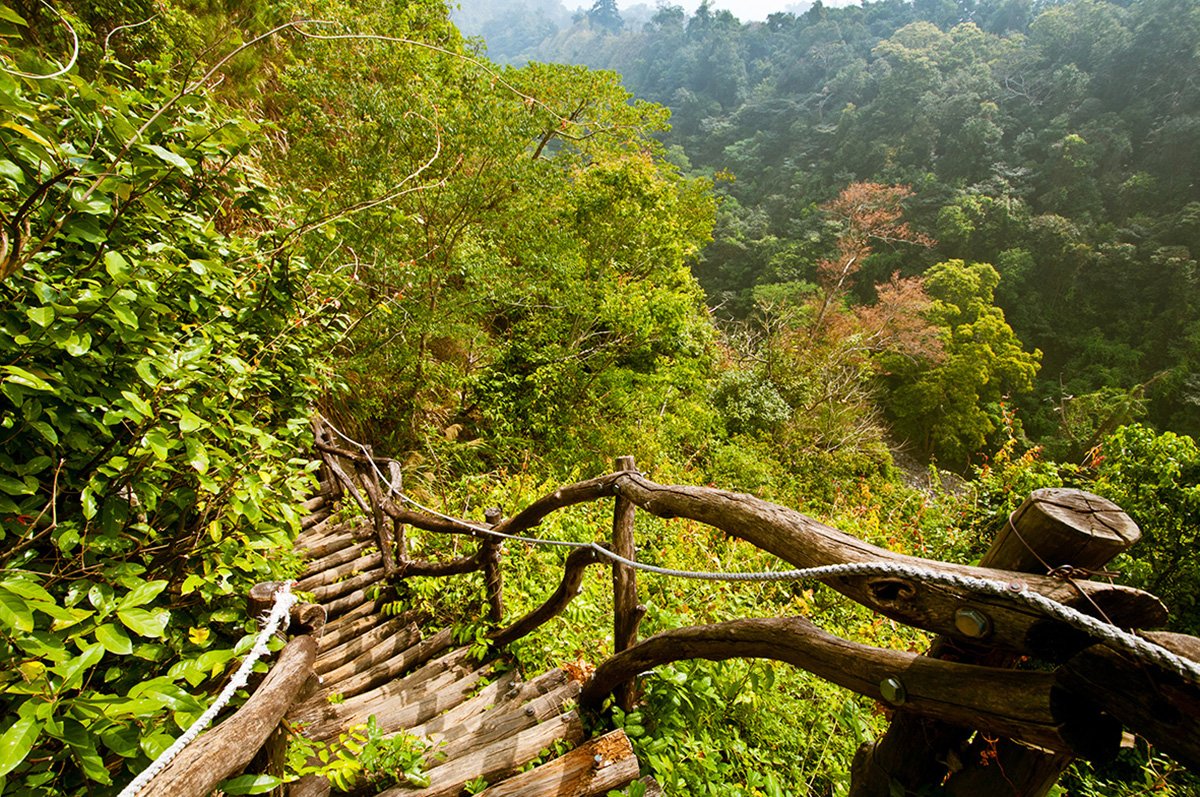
1052	528
493	577
626	611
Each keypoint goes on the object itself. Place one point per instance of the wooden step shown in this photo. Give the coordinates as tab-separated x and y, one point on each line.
325	595
591	769
496	760
366	638
334	559
380	645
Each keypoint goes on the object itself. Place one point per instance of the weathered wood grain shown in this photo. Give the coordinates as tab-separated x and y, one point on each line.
227	748
382	647
339	572
392	631
1019	704
593	768
496	760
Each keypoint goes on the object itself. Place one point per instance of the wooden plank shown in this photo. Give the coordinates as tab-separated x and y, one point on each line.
332	573
332	560
346	626
497	760
318	709
380	648
502	724
593	768
227	748
393	712
470	716
327	594
361	643
315	547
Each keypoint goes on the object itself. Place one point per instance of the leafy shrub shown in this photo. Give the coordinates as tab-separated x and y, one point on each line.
749	403
158	366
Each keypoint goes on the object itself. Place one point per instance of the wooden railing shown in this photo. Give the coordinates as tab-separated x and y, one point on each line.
1031	722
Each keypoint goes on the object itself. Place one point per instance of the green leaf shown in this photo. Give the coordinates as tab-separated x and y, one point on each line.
139	404
16	743
197	455
145	623
29	134
42	316
78	345
171	158
15	611
125	315
72	672
189	421
143	594
9	169
22	377
251	784
158	443
114	639
16	486
117	267
8	15
28	589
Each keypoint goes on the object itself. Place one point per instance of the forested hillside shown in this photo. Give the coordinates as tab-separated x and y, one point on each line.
1055	141
758	256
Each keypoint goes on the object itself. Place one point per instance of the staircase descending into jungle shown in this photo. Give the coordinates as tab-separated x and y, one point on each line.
486	721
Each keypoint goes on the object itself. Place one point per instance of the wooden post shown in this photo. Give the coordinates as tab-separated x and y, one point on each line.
1052	528
493	577
626	612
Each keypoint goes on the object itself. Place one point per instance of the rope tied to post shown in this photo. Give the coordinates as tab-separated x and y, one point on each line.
280	611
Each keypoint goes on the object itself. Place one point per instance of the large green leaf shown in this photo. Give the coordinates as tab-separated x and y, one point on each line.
15	611
143	594
16	743
145	623
114	639
170	157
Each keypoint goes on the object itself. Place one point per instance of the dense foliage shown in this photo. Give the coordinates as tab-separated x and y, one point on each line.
1055	141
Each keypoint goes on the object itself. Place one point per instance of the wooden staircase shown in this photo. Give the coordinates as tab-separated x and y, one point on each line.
484	720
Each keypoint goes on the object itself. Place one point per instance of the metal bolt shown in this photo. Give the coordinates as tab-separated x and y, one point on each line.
1016	586
893	691
972	622
529	711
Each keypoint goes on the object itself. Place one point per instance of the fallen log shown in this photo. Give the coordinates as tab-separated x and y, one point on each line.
1024	705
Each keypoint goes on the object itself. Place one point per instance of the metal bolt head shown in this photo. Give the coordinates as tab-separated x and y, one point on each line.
972	622
529	711
893	691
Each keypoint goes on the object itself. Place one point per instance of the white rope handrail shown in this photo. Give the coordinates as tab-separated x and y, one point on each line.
284	600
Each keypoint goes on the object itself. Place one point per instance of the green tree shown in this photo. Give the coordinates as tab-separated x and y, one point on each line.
951	408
